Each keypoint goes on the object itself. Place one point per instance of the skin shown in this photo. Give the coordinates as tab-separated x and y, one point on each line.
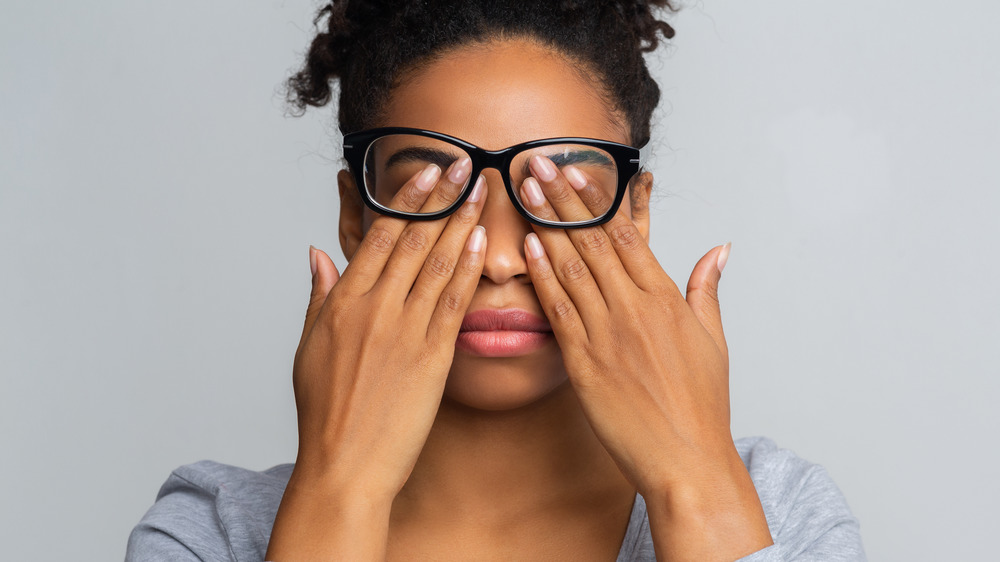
409	449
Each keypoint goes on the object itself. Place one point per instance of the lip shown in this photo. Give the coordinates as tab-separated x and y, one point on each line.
505	332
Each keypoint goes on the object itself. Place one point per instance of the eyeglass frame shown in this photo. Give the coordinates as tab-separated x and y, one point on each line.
629	162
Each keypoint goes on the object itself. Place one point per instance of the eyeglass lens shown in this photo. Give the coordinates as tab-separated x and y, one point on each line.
393	160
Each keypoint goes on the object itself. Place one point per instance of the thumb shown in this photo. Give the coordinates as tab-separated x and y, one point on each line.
703	292
324	277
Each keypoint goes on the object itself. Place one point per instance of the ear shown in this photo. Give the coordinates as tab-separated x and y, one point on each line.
351	214
639	192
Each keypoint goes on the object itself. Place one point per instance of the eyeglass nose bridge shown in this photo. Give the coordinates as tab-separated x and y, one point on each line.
499	160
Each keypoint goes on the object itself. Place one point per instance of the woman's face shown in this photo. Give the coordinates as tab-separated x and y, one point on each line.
494	96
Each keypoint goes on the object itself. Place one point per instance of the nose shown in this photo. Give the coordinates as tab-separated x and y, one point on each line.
505	232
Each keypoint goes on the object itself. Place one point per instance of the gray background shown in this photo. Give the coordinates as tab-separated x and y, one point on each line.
156	208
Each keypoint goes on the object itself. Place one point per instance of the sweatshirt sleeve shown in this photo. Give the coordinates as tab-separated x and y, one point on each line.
806	512
182	525
208	511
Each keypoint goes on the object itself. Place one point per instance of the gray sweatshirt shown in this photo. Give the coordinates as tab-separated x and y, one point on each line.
211	511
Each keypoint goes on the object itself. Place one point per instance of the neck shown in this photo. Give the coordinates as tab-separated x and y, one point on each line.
505	465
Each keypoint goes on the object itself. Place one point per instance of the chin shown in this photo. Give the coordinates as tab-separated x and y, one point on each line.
503	383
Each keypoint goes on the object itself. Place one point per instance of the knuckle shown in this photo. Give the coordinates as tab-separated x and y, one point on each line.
574	270
379	239
541	271
466	214
451	302
439	266
469	265
560	193
414	240
595	197
410	198
316	303
561	311
625	236
593	241
708	294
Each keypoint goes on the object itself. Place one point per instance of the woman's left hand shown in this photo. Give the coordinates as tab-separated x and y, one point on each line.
649	365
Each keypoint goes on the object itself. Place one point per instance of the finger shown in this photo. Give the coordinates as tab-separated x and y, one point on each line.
380	240
454	301
567	324
324	277
570	268
581	197
630	246
562	198
439	267
703	293
449	187
419	238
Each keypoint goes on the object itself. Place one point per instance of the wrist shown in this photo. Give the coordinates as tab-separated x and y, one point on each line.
338	478
345	491
712	514
691	479
321	519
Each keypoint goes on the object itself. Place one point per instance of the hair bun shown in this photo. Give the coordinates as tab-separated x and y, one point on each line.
330	51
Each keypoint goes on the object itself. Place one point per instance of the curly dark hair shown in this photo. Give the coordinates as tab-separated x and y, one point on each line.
369	45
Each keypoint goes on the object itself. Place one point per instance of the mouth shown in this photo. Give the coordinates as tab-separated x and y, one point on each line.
506	332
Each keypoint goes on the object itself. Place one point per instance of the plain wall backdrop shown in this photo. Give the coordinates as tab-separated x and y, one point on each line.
156	207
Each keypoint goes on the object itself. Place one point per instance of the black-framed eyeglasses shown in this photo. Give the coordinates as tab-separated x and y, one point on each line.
384	159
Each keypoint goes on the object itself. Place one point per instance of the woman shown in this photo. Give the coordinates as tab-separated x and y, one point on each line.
503	371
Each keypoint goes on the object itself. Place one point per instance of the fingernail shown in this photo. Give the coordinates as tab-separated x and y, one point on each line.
312	259
477	239
575	177
427	178
533	192
543	168
460	170
477	190
535	249
724	256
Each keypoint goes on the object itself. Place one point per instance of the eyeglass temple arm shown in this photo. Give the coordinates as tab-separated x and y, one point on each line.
644	153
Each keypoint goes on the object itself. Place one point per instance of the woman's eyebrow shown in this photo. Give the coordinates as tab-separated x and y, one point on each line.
421	154
566	157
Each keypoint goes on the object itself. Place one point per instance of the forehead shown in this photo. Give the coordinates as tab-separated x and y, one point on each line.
503	93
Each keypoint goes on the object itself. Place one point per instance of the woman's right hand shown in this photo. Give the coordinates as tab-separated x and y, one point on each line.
371	366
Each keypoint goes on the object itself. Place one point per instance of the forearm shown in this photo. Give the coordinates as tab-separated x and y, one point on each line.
713	515
320	522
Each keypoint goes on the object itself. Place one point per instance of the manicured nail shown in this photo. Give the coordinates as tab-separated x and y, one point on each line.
543	168
477	190
477	239
460	170
427	178
575	177
312	259
535	249
533	192
724	256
